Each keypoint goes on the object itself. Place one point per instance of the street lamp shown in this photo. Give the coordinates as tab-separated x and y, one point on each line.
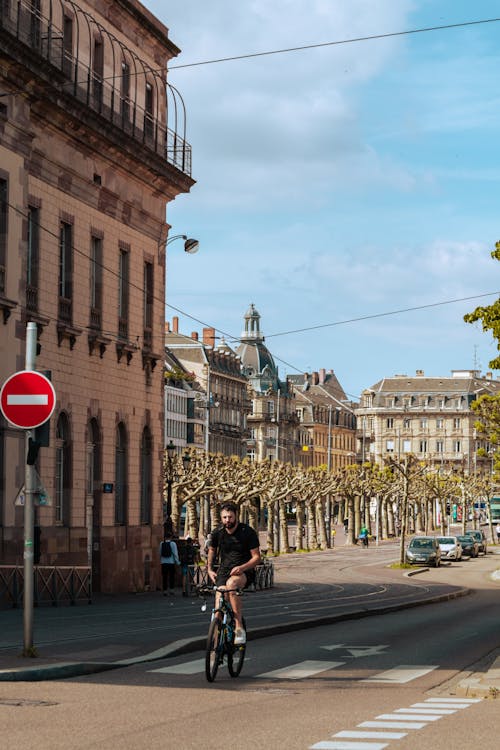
191	245
169	477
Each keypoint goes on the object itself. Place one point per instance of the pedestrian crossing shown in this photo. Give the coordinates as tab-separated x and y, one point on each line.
372	734
307	669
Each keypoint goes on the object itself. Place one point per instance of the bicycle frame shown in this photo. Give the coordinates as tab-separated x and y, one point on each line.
220	641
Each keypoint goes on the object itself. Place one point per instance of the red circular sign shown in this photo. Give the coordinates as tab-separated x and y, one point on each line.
27	399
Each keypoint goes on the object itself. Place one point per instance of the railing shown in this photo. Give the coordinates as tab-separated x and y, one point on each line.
65	311
41	35
95	319
32	298
2	279
52	585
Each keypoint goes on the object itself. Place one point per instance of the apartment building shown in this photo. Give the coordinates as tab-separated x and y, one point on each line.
89	159
218	405
430	417
327	416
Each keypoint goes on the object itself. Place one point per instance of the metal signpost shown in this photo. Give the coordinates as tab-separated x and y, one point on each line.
27	400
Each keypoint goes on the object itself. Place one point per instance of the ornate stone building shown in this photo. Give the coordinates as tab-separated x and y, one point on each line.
88	162
430	417
273	422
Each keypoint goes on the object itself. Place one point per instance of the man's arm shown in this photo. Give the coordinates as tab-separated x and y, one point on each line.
250	564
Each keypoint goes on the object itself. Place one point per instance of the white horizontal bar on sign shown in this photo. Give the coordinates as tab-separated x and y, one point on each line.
302	669
31	399
403	673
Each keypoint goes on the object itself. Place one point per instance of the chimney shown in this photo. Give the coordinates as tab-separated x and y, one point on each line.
167	327
175	324
209	337
322	374
194	335
489	376
315	378
419	373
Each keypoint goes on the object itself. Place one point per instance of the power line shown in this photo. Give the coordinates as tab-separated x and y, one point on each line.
382	315
232	337
388	35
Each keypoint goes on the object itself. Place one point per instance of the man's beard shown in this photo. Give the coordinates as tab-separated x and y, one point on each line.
230	524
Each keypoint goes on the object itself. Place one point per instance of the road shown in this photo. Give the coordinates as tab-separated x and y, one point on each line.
381	681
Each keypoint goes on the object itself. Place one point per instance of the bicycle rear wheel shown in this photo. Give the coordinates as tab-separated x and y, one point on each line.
213	650
236	656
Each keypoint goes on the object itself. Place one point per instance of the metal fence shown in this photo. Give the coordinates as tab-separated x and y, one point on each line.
52	585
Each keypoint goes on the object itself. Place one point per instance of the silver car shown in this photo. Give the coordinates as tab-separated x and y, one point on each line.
423	550
451	549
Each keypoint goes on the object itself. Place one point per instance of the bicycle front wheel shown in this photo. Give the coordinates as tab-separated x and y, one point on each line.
236	656
214	649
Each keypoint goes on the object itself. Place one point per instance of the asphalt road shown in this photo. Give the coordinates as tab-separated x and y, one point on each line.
382	681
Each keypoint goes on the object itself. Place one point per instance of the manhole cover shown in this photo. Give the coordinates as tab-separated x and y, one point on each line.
25	702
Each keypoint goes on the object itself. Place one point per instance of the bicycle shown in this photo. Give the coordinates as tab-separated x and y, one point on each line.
220	638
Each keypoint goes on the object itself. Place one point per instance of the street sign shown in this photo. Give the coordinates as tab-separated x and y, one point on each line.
40	495
27	399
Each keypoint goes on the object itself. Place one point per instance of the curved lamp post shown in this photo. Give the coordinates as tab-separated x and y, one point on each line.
191	245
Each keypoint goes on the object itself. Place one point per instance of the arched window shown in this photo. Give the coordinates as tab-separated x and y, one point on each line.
63	471
146	476
121	471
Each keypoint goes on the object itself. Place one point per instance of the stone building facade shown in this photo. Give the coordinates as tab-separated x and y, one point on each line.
430	417
88	163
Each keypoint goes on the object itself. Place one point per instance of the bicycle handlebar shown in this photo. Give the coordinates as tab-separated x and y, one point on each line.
221	589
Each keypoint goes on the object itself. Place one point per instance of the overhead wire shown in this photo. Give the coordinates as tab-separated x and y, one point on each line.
230	336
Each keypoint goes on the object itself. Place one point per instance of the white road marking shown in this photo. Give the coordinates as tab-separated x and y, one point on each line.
187	667
28	399
346	745
399	713
466	701
392	724
358	651
403	673
416	708
371	735
301	669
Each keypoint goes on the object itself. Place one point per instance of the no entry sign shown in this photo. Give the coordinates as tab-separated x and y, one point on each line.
27	399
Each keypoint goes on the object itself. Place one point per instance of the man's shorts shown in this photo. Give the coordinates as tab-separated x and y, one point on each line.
224	573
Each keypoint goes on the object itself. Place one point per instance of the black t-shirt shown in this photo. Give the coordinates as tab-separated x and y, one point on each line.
234	549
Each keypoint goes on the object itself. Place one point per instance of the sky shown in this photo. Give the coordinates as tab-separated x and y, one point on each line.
337	184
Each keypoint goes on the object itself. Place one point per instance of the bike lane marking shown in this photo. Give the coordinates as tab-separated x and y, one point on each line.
302	669
401	674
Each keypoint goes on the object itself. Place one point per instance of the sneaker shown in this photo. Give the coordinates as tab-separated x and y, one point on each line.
240	637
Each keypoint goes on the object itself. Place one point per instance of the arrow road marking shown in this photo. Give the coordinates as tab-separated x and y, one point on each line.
28	399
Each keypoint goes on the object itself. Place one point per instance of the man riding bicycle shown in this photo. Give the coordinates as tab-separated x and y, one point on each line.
237	546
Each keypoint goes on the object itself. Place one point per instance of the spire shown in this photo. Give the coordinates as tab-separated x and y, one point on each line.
252	326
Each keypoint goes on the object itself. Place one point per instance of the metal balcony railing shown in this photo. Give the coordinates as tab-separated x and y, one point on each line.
43	37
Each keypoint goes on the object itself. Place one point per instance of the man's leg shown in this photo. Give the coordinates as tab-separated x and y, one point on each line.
164	578
237	582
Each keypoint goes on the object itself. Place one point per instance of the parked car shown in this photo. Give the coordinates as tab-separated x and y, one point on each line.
423	550
469	545
480	538
451	549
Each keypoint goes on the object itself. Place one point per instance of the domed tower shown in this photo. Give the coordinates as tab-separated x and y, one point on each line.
256	359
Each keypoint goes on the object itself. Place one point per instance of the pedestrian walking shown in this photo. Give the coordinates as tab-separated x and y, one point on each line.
169	558
497	531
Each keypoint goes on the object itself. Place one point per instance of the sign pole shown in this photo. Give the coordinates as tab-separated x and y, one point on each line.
29	511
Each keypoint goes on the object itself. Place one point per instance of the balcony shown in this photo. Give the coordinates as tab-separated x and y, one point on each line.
68	73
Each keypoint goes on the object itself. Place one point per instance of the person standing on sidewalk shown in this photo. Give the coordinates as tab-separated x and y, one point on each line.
497	531
169	558
189	555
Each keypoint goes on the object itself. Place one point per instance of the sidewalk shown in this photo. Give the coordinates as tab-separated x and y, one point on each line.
116	631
